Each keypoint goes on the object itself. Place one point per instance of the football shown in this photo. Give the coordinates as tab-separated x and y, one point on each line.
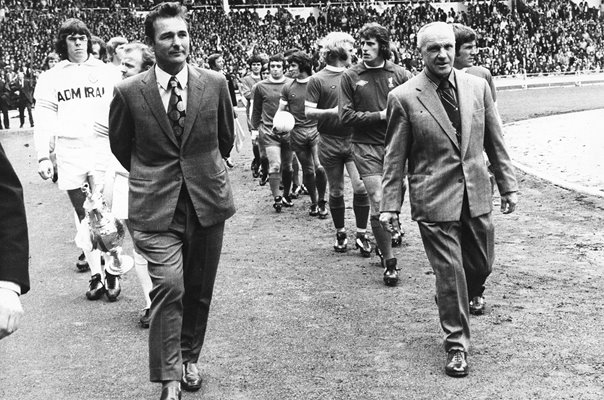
283	122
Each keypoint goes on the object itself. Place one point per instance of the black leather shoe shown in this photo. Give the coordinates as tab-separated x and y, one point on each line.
191	377
341	242
390	272
362	243
477	305
278	204
457	365
145	319
95	287
112	285
170	393
82	264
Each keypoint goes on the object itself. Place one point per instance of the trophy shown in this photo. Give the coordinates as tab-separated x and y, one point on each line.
106	232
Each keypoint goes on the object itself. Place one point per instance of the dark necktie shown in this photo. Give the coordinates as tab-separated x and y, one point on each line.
176	108
449	100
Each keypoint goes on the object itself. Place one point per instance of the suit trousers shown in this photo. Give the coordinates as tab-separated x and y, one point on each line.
461	254
22	107
182	264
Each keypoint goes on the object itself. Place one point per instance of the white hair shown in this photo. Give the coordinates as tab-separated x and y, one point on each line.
432	26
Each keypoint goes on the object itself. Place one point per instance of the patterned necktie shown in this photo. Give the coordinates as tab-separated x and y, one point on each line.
176	108
448	98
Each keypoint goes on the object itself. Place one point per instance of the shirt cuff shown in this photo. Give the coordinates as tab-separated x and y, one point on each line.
11	286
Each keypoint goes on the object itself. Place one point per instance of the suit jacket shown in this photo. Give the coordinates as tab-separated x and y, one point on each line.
14	242
142	140
419	132
26	91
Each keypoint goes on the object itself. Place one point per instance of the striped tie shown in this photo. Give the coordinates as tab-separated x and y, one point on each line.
449	100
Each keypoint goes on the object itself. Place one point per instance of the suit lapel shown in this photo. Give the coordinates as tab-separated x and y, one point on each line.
151	95
464	99
195	91
430	99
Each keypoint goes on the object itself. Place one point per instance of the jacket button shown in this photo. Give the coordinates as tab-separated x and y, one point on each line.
460	180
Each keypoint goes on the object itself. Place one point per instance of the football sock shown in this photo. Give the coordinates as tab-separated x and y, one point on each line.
383	238
287	181
311	186
338	210
321	182
360	206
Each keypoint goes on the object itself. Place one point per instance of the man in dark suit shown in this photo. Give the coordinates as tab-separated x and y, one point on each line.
170	127
25	88
14	248
439	122
4	98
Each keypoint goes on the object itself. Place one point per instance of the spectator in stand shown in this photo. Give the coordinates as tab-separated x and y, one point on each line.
5	93
24	87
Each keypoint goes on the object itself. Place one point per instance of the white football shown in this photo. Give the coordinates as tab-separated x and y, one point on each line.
283	122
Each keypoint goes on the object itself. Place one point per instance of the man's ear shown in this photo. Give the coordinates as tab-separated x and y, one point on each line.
149	42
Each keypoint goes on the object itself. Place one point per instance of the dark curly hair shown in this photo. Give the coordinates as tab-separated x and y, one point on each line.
376	31
303	60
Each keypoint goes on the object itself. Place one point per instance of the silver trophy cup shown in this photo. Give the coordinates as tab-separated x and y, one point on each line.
106	232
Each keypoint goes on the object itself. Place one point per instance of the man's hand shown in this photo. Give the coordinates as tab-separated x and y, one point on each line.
389	221
508	202
10	312
45	168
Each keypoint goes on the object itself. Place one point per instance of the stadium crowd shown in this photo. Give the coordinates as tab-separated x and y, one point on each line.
554	36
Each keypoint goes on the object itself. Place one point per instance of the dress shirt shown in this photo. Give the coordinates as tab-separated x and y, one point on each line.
164	88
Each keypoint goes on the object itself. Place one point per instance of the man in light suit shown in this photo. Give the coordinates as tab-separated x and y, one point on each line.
439	122
170	127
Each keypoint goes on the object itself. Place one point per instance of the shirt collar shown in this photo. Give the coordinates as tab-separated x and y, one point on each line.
382	65
270	78
436	81
334	69
163	77
305	80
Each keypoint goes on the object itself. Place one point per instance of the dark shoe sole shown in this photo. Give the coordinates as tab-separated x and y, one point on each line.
340	249
456	374
96	296
364	253
391	281
477	312
113	297
189	388
82	266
